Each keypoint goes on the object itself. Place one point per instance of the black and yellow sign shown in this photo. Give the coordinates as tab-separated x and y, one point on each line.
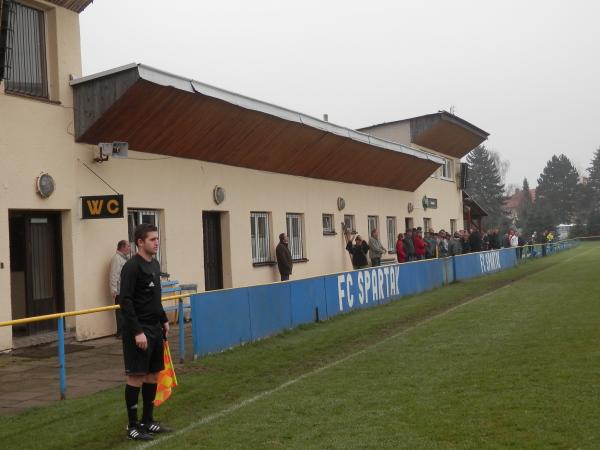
102	207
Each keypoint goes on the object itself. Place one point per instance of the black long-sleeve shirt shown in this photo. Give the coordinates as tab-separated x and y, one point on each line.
140	294
359	253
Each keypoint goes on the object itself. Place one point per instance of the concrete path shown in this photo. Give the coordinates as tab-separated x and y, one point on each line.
29	380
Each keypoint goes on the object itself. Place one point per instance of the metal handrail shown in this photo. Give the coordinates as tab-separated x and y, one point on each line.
78	313
61	331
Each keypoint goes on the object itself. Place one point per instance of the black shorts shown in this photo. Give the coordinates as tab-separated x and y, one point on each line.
141	362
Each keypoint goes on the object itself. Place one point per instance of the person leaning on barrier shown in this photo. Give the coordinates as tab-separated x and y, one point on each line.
409	246
284	257
521	241
145	327
455	245
114	280
466	243
376	249
420	245
475	241
358	250
400	254
443	245
429	244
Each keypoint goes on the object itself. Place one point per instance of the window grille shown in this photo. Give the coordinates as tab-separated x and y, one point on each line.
260	237
295	235
391	233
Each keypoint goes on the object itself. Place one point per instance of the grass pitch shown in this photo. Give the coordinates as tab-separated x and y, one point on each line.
507	360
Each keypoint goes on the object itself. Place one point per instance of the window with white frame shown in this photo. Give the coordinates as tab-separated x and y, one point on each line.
295	234
136	217
426	225
372	224
349	222
328	227
446	170
391	233
27	71
452	226
260	237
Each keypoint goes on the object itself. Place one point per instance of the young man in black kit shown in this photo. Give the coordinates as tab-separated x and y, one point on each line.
145	326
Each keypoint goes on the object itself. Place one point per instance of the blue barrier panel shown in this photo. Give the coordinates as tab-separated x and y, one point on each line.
270	309
477	264
421	276
220	319
308	300
361	288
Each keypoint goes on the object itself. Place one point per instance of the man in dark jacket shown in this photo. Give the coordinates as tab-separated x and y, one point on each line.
359	253
145	326
284	257
409	246
475	240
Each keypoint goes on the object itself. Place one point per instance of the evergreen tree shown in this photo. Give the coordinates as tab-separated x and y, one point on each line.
557	191
594	179
525	209
486	187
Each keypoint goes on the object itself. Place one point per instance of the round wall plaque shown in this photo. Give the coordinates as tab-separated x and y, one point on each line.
45	185
219	195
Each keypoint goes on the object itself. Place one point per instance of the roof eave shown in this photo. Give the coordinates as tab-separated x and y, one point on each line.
164	78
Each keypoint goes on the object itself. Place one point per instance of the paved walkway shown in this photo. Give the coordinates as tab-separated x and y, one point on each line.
30	376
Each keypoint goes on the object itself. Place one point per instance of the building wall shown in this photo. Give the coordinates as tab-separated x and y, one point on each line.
37	136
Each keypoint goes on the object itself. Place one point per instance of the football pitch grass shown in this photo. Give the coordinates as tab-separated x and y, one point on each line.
506	360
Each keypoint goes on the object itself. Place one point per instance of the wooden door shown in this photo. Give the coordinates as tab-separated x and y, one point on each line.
213	260
43	269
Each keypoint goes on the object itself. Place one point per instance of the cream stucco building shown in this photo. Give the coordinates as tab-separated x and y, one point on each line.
220	174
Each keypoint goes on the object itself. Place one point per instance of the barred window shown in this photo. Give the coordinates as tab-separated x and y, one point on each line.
373	223
260	237
391	233
328	227
26	50
295	235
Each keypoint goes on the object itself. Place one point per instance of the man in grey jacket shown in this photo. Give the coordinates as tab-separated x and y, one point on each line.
116	264
455	245
376	249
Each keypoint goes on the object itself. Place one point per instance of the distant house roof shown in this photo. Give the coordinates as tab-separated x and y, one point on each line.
158	112
74	5
516	200
442	131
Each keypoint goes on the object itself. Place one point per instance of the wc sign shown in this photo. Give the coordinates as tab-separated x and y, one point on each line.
102	207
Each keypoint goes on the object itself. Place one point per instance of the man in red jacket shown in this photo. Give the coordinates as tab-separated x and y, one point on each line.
420	245
400	254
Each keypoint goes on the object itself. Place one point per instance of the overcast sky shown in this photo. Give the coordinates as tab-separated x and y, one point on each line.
527	72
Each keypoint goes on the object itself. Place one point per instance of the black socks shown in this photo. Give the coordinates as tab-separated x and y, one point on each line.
148	394
131	400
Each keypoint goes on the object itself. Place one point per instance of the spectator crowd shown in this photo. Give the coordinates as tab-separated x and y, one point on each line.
415	245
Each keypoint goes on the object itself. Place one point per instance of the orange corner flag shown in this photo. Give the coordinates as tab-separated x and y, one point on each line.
166	378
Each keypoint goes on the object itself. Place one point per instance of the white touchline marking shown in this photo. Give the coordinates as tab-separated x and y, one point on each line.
248	401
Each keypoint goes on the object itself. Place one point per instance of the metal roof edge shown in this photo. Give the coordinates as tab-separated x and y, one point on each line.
105	73
445	115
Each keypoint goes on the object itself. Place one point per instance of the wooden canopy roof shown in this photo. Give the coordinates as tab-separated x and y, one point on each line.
74	5
443	132
157	112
